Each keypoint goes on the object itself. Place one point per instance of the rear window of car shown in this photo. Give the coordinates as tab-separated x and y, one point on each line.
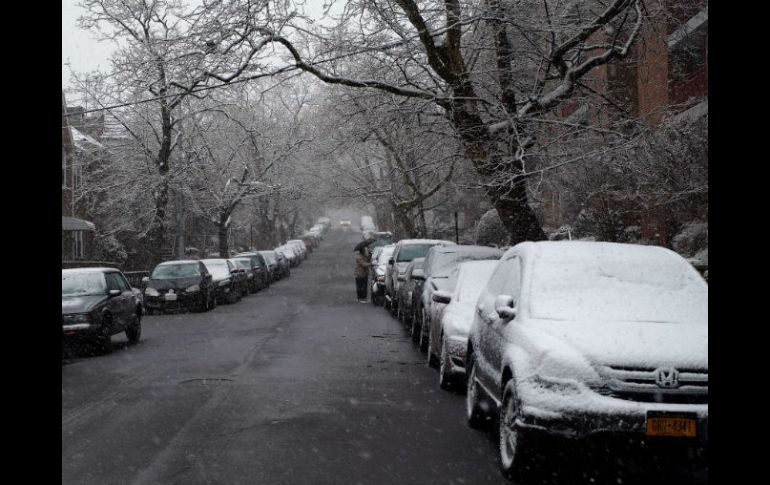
411	251
242	263
173	271
83	284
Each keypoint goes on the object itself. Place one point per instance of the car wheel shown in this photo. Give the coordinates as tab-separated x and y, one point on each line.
213	298
103	342
474	412
134	330
204	304
514	460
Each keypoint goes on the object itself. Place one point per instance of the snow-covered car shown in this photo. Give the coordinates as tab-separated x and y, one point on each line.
450	328
406	250
410	284
378	269
230	288
439	263
582	340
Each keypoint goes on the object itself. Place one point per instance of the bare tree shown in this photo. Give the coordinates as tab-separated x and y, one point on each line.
462	57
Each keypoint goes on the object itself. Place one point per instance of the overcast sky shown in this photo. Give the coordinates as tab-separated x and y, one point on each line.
79	47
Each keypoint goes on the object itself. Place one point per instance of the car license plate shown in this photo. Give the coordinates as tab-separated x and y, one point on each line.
671	424
170	296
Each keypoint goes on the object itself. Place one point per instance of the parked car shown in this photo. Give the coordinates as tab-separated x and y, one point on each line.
300	245
439	263
97	303
283	263
412	281
272	264
582	339
252	270
377	271
452	322
405	251
229	289
182	284
290	253
264	276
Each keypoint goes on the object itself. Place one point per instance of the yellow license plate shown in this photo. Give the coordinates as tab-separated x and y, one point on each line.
684	425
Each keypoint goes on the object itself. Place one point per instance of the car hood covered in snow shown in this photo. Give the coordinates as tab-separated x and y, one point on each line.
80	304
646	345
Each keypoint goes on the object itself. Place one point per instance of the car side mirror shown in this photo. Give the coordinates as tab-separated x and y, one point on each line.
504	306
112	293
440	296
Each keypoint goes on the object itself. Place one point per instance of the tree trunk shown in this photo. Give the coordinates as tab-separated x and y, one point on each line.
224	248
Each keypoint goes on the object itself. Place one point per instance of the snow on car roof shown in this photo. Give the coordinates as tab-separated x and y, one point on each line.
580	280
179	261
424	241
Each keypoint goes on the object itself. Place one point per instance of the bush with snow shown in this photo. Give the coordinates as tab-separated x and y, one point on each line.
490	231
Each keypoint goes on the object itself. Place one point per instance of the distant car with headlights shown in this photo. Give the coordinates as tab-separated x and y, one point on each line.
344	222
179	285
229	288
583	340
97	303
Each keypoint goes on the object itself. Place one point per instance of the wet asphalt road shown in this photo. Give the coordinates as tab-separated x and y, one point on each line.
297	384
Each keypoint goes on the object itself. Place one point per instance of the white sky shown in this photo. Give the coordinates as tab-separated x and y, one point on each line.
78	46
81	49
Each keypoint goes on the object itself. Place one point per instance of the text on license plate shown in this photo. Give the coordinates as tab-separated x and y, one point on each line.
671	425
170	296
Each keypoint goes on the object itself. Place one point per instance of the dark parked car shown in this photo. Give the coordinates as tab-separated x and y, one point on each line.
413	279
229	286
265	277
272	264
175	285
97	303
284	265
252	272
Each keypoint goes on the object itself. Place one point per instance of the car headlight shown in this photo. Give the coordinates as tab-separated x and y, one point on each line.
193	288
151	292
77	318
224	282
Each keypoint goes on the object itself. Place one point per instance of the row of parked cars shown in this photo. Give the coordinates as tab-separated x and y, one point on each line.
558	340
100	302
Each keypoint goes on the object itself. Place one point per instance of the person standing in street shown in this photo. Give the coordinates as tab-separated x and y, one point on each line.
362	273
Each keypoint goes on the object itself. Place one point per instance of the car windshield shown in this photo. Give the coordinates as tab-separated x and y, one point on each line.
173	271
442	263
83	284
411	251
617	284
217	268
